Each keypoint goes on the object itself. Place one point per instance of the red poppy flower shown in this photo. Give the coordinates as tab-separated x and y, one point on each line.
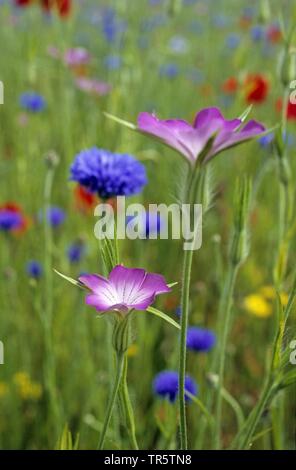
62	6
85	201
274	34
22	3
230	85
291	109
257	88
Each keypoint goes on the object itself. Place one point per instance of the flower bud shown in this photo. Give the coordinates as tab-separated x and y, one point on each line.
120	337
287	66
52	159
239	245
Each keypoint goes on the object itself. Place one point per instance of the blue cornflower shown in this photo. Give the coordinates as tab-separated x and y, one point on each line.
75	252
169	70
10	220
178	311
165	385
34	269
220	21
178	44
266	140
55	216
112	62
111	26
31	101
200	339
233	40
257	33
108	174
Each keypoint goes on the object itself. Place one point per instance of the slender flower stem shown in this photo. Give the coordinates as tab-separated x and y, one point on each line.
224	328
50	374
182	359
120	362
187	265
254	417
127	406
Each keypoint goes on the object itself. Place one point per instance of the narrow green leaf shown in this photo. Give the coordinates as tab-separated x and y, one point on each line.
246	113
162	315
71	280
172	284
130	125
202	407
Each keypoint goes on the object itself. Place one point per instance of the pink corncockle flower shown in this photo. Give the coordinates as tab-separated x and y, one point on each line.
125	289
209	127
91	85
77	56
53	52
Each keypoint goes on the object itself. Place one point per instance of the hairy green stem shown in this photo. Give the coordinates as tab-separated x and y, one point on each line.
224	329
187	265
182	358
127	407
251	423
119	370
50	370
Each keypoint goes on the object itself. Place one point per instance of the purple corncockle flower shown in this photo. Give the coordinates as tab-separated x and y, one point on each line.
191	140
92	85
77	56
124	290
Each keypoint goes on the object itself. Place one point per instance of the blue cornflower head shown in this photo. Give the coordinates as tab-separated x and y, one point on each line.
165	385
200	339
112	62
220	21
55	216
34	269
233	40
108	174
178	44
10	220
257	33
75	252
31	101
178	311
169	70
111	26
266	140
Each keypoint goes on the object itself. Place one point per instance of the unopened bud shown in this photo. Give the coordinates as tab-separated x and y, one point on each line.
52	159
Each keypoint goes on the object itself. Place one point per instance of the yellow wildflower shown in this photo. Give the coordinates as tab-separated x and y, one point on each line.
270	294
257	305
133	350
27	389
3	389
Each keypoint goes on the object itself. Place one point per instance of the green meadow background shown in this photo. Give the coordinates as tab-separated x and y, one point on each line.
80	348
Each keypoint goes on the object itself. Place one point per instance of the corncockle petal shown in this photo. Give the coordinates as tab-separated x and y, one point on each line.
155	283
190	141
125	289
126	281
143	302
205	116
99	302
249	131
